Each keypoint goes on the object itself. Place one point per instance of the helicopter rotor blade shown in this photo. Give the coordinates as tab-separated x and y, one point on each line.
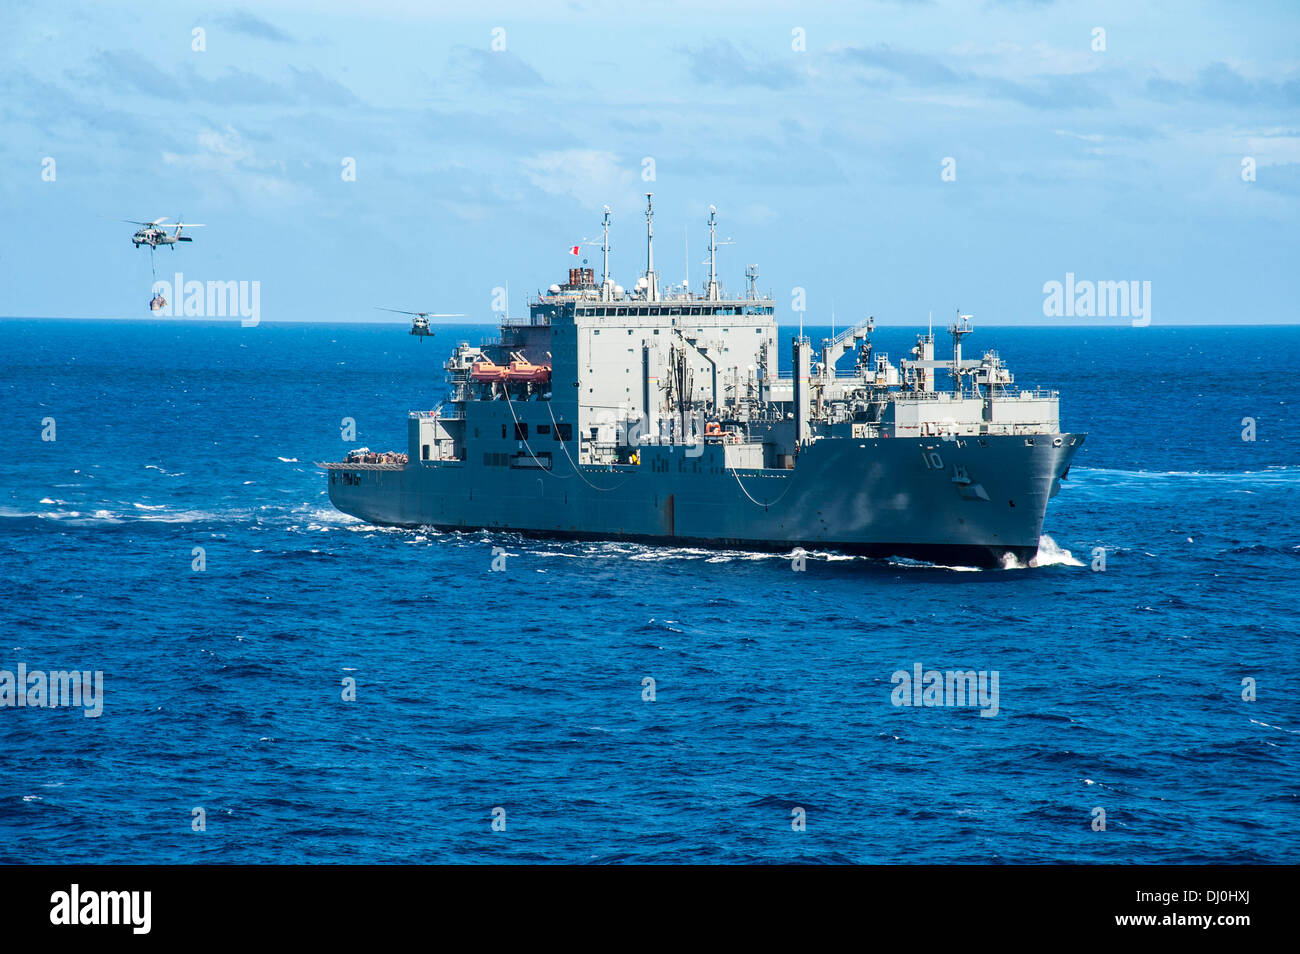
418	314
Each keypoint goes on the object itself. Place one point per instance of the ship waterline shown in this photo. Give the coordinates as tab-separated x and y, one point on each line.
877	497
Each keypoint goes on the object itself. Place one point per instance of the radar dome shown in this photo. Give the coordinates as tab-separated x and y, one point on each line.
554	289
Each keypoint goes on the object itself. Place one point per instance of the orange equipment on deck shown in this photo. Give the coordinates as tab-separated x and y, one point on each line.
518	370
521	370
487	371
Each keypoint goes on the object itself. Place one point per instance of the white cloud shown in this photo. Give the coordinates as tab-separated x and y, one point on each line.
593	177
223	152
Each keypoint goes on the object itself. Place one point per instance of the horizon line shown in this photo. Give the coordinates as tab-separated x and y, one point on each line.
236	321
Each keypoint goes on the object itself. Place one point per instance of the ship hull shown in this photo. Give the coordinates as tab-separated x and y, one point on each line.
968	501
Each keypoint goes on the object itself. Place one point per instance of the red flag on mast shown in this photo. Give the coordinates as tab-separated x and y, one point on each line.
574	250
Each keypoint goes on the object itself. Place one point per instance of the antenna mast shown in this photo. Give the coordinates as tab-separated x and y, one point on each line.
713	253
604	249
652	283
960	328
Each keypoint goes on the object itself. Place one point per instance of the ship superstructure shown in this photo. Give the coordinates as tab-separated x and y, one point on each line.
659	414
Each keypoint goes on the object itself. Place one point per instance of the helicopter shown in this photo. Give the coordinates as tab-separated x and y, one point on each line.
419	320
154	233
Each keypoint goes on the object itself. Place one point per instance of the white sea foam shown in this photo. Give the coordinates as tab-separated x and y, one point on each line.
1050	553
910	564
1269	475
1278	727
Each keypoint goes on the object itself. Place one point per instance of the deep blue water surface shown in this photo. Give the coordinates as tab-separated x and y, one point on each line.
523	689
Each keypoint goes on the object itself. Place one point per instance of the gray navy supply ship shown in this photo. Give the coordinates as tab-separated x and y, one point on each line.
658	415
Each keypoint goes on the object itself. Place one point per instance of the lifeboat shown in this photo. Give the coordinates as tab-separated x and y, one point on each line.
521	370
518	371
487	371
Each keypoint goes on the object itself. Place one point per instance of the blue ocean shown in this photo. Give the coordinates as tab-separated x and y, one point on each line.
1147	664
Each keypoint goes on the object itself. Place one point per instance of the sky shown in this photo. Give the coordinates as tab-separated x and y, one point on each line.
888	158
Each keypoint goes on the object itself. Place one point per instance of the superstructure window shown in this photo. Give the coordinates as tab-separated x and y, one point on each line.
521	431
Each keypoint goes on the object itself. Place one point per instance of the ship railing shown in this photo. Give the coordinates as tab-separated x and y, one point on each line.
1027	393
846	334
1004	394
358	465
710	439
442	414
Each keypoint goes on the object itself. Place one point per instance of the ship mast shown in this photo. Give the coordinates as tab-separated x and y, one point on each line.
652	284
960	328
605	290
713	253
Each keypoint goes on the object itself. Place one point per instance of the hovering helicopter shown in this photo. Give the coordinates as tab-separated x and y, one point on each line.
419	320
154	233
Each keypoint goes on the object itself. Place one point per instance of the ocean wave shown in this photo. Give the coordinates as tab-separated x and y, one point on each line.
1281	474
1050	553
70	517
908	563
